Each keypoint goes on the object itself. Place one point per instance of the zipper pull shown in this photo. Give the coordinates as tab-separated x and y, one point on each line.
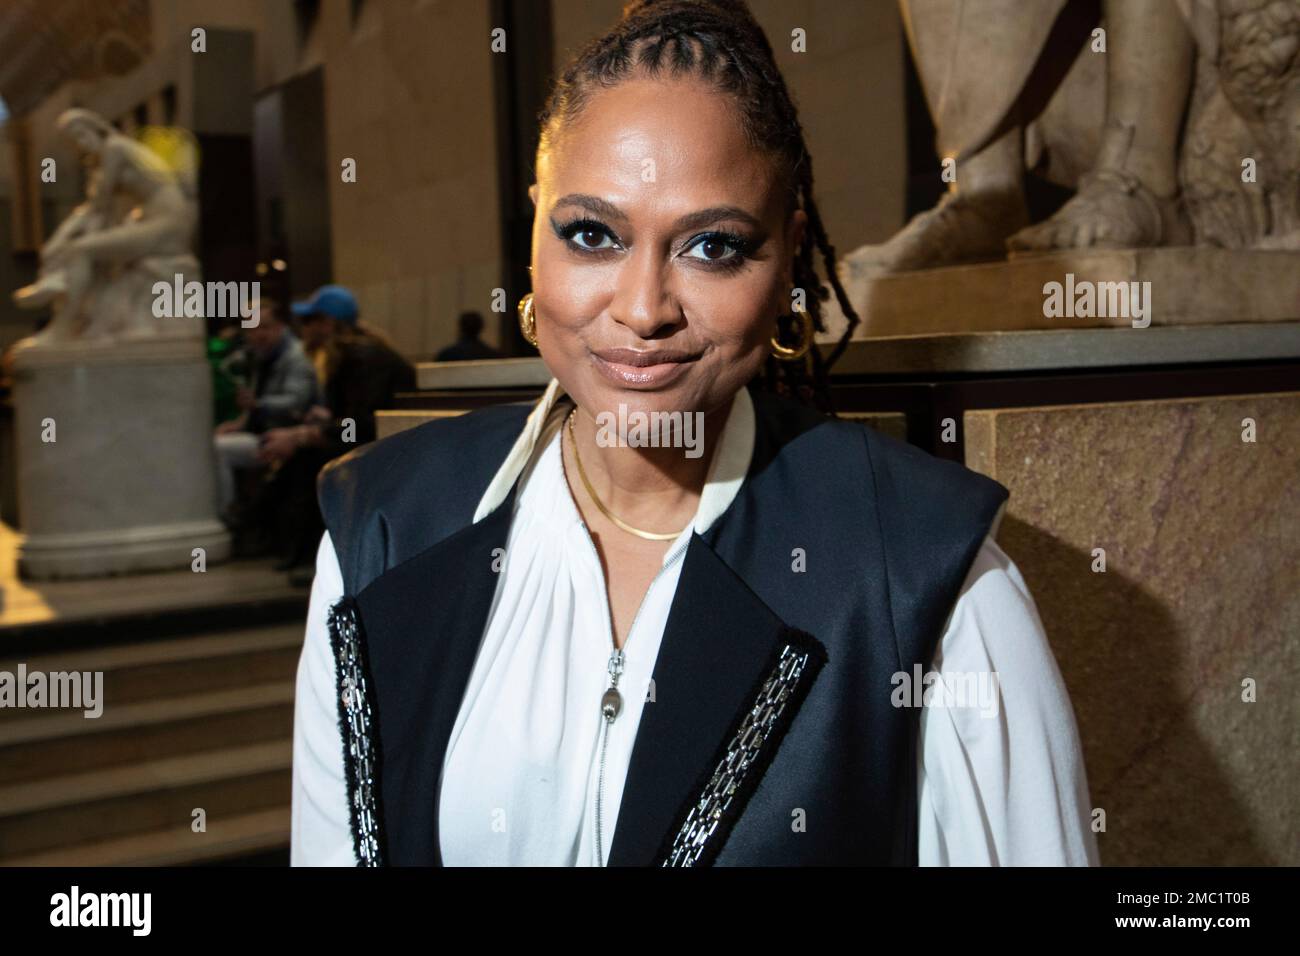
611	702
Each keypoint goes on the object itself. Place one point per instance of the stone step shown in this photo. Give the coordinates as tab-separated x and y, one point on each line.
174	668
256	832
82	808
45	617
132	733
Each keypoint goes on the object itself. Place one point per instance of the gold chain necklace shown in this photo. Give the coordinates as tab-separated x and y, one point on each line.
648	535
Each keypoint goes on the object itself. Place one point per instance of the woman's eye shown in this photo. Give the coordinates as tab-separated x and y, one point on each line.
591	239
716	248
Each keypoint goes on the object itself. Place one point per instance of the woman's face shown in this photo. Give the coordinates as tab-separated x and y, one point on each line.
662	252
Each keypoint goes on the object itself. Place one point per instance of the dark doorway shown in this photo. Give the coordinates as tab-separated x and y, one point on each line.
293	214
521	81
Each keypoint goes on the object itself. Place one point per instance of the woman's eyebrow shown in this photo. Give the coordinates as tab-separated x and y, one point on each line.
593	204
692	220
706	217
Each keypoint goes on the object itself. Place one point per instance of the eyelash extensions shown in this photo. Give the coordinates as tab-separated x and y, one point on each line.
741	247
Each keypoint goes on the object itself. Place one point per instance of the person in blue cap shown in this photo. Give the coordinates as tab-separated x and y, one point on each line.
360	372
319	316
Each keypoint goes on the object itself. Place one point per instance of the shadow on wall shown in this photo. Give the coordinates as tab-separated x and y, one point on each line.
1154	753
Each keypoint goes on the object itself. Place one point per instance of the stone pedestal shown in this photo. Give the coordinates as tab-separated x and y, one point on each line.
128	481
1187	286
1200	594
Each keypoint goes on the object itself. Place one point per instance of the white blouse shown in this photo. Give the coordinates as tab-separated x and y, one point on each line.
522	776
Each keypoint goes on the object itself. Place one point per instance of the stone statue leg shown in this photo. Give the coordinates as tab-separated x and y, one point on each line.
969	224
67	286
51	282
132	240
1129	198
973	58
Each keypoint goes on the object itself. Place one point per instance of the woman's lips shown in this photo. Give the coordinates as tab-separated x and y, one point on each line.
644	369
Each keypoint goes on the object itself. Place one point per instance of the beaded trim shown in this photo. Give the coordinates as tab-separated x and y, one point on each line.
357	726
708	820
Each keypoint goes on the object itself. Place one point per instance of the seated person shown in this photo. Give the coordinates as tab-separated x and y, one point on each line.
283	389
469	345
362	373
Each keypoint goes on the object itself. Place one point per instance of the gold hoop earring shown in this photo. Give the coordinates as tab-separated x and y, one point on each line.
528	320
792	354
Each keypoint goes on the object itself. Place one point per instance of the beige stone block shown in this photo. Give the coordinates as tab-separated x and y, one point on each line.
444	293
859	164
489	373
375	303
1201	592
390	422
408	315
419	126
417	233
893	424
421	160
376	258
479	281
1182	286
466	207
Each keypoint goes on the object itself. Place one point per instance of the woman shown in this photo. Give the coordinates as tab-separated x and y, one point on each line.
531	642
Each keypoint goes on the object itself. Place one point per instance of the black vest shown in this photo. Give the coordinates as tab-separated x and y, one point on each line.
771	738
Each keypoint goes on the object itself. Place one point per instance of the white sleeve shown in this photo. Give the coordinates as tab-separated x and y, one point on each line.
1001	781
321	833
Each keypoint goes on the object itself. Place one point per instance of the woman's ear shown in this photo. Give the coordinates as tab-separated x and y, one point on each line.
532	194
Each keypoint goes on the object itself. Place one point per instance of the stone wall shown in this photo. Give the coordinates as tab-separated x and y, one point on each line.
410	98
1201	591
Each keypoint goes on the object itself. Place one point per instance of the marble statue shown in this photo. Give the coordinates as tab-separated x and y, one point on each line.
113	399
135	227
1178	121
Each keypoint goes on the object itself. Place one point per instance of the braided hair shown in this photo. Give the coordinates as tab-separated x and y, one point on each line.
721	42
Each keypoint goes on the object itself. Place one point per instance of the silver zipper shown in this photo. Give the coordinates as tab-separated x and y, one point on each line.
615	667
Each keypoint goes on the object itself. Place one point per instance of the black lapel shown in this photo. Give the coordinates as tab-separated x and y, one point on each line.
728	667
425	670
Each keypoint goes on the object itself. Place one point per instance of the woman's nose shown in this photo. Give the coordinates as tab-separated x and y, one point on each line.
643	300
